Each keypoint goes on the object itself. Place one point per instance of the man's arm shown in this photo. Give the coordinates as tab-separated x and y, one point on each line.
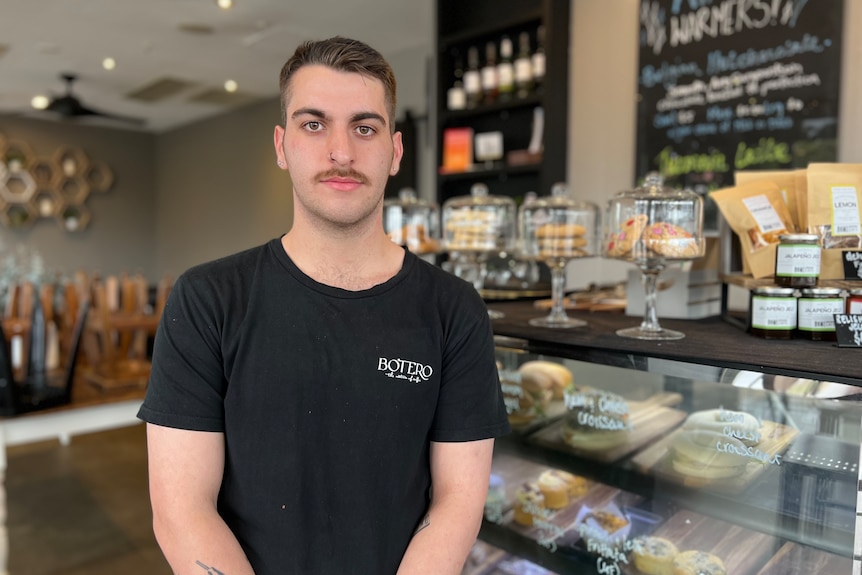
185	470
459	485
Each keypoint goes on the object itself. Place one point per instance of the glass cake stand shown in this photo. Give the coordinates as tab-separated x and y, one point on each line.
556	230
650	227
474	227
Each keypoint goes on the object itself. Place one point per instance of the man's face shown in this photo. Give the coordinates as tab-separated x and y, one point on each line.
337	144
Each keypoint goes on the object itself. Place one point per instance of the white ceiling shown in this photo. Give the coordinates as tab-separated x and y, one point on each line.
40	39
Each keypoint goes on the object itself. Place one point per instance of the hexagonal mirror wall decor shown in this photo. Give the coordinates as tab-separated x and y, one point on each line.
43	172
99	177
18	188
17	155
55	187
46	203
74	218
18	216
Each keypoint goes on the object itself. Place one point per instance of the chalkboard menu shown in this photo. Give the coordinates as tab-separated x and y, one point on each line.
728	85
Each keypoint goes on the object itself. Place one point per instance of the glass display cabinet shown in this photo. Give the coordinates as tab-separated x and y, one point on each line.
720	453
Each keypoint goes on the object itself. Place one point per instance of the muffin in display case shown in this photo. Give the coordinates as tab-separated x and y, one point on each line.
650	226
555	230
412	222
474	227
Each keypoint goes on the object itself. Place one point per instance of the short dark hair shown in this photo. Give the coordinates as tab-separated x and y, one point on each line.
344	55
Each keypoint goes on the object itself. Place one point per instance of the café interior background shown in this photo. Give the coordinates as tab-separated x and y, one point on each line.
211	187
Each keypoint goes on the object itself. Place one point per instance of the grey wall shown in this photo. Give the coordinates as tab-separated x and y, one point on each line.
120	235
218	189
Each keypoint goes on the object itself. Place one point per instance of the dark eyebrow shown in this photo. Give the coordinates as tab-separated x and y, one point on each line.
308	111
358	117
368	116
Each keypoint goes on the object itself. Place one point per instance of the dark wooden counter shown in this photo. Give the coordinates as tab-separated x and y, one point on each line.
710	341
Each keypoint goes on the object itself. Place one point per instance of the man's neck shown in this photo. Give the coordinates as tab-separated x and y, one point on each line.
355	259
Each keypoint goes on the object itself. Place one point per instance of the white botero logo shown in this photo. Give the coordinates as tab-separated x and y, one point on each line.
404	369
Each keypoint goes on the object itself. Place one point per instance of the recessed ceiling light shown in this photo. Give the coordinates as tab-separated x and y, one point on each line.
230	86
40	102
109	63
224	4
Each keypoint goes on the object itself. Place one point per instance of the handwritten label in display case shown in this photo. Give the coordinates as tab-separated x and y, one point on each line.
848	329
726	85
599	410
852	260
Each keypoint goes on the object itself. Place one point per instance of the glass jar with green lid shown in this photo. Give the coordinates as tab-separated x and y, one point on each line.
772	312
816	308
797	260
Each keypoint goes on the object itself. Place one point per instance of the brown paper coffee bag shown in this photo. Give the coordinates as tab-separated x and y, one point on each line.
835	204
786	182
834	210
758	214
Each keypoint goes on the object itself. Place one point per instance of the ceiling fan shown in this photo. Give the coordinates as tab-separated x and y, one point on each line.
68	106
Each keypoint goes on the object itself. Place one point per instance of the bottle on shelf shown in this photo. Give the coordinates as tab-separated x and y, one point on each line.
539	60
505	70
523	67
490	81
472	78
456	96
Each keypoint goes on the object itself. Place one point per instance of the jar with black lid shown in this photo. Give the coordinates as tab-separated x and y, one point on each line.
772	312
797	260
816	307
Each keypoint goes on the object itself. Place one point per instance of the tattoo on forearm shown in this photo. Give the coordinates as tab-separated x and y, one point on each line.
426	521
210	570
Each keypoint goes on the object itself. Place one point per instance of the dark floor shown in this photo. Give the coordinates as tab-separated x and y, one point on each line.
82	509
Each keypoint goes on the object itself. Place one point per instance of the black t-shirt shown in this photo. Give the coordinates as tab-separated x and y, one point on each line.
328	400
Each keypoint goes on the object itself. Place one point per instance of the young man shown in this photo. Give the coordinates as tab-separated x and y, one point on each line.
325	403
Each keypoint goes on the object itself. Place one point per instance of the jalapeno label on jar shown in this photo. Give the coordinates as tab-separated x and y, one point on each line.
773	313
797	260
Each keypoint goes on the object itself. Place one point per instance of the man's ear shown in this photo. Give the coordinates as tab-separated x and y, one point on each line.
397	153
278	142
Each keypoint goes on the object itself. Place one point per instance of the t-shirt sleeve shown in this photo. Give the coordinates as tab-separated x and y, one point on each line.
187	383
470	405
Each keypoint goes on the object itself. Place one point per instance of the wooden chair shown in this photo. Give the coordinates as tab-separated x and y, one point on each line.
36	372
120	323
163	291
20	305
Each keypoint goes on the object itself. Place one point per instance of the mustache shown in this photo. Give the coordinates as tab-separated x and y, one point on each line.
343	173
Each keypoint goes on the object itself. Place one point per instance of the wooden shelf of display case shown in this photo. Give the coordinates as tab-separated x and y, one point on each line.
709	341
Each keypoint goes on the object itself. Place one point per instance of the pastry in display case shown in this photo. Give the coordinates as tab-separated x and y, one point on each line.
605	425
651	226
533	392
478	223
669	461
555	230
412	222
475	227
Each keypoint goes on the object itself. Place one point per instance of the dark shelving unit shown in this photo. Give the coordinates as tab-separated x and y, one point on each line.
463	24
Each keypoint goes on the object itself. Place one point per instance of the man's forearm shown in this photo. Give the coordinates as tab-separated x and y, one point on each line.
443	539
201	546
